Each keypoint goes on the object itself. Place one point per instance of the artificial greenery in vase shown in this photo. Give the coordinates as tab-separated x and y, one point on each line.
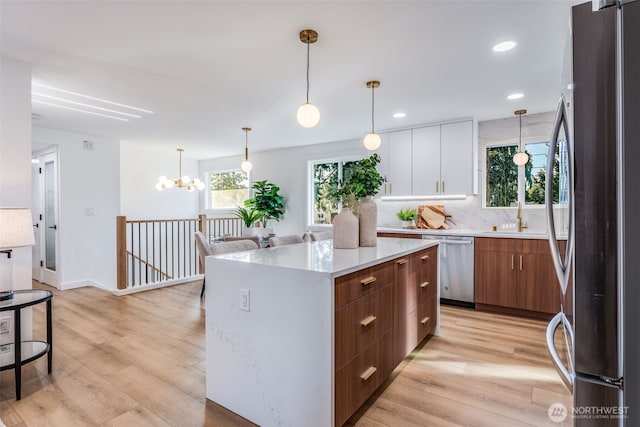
248	216
266	201
361	179
407	216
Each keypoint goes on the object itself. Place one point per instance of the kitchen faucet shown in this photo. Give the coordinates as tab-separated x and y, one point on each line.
521	224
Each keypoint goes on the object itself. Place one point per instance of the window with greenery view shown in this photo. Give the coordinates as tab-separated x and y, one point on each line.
325	176
503	176
228	190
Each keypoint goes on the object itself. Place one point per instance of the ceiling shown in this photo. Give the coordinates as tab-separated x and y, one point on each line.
208	68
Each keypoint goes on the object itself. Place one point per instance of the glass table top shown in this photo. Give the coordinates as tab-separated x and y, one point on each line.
25	298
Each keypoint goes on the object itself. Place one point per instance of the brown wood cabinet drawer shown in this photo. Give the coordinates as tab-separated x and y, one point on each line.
362	322
426	318
357	380
400	235
359	283
497	244
426	289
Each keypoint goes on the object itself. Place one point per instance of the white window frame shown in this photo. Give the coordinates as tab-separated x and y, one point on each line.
521	177
310	198
207	197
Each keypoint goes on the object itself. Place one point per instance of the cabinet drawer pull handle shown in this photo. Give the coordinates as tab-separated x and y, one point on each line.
367	374
443	186
401	261
424	284
513	261
520	262
436	186
390	188
368	280
424	258
367	321
424	321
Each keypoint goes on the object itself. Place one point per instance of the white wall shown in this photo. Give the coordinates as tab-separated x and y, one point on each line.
287	168
139	173
15	152
88	179
15	163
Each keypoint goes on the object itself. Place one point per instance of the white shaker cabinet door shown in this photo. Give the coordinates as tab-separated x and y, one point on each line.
399	163
456	167
426	161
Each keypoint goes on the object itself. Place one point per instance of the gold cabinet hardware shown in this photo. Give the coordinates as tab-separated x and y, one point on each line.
424	258
367	321
367	374
424	321
369	280
390	188
520	262
424	284
436	186
513	261
443	186
401	261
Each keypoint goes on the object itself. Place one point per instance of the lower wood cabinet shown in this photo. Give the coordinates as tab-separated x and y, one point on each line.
381	314
516	274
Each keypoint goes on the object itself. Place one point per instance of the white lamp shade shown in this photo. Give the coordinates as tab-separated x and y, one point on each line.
372	141
200	185
169	183
520	158
16	228
308	115
186	180
162	179
246	166
159	186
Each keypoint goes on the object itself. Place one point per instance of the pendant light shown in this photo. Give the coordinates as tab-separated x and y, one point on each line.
520	158
308	114
246	165
372	140
181	182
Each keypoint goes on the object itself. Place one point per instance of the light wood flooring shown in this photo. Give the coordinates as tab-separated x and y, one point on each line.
138	360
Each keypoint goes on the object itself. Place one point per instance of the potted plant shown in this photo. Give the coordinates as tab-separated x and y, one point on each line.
266	201
362	181
249	217
407	217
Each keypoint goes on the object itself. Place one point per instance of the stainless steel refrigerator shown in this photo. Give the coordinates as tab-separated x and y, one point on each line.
598	128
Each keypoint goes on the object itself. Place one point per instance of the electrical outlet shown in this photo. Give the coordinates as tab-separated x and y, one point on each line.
5	325
244	300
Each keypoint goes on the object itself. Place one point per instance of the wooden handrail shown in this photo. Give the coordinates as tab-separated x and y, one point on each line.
121	252
153	267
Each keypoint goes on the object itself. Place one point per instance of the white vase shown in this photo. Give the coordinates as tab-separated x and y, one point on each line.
345	230
368	219
405	224
249	231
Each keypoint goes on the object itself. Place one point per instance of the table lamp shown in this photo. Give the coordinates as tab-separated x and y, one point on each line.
16	230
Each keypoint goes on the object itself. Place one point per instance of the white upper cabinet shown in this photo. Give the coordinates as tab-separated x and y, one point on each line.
426	160
436	160
399	163
457	168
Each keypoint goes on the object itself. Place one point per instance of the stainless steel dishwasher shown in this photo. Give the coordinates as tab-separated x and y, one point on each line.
456	269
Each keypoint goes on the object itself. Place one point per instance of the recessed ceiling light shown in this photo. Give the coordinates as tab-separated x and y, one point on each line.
399	115
504	46
513	96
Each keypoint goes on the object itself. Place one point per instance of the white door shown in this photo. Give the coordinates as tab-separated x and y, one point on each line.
35	217
48	211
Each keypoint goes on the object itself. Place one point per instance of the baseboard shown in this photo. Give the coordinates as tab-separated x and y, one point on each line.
81	284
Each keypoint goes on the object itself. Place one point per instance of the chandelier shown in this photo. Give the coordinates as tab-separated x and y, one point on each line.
183	181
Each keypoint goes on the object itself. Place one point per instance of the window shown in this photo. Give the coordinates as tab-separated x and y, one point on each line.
505	184
228	189
325	176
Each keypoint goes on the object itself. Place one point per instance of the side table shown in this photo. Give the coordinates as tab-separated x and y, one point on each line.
13	355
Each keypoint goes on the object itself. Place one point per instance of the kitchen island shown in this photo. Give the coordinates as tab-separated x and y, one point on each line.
304	334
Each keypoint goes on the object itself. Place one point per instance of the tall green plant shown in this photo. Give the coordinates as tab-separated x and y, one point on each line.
267	201
360	180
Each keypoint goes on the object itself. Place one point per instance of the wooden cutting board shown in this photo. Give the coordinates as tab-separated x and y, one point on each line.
432	216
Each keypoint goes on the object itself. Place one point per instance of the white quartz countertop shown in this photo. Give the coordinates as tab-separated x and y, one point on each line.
321	257
467	232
